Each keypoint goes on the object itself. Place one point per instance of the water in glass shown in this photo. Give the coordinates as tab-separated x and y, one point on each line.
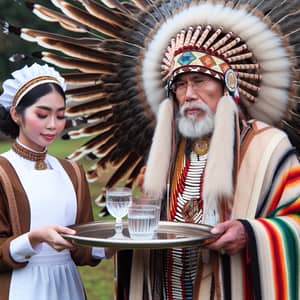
117	202
149	200
142	221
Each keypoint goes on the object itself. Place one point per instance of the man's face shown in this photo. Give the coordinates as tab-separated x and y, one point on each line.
196	87
198	96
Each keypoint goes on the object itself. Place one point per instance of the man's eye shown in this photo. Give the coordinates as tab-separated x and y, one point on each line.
198	80
180	84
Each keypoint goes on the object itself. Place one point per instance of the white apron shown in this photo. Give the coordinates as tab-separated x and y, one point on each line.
49	275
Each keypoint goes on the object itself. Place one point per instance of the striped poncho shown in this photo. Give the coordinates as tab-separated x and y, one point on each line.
267	201
274	237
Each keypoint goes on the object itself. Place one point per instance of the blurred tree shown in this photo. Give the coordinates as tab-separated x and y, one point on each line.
16	13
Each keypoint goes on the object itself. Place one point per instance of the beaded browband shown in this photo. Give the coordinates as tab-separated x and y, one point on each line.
212	52
30	85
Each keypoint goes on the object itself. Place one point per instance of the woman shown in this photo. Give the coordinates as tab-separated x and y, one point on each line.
39	194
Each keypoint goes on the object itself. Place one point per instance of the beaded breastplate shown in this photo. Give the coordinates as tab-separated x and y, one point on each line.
186	203
186	206
189	204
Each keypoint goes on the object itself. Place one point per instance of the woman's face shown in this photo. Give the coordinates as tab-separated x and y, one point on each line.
43	121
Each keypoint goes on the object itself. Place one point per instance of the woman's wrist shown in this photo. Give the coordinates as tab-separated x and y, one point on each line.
34	238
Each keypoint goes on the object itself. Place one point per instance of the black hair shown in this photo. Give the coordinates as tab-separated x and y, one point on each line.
7	125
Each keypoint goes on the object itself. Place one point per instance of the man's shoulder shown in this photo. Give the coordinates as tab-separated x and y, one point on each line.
261	136
261	129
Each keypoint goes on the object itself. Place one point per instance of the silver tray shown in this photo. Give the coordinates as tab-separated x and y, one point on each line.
168	235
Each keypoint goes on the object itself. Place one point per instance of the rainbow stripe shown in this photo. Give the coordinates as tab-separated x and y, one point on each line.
289	180
285	256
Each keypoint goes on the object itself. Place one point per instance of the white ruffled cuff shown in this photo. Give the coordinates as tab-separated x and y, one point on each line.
21	250
98	253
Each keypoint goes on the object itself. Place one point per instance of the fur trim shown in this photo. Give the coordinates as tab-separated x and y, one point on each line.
218	183
155	179
265	44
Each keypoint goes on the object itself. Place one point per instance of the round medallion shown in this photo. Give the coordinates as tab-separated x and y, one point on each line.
40	165
201	146
230	80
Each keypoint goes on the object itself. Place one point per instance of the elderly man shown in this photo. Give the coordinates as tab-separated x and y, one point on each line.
198	96
212	164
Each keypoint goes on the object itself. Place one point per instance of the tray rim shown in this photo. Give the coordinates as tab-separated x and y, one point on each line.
151	244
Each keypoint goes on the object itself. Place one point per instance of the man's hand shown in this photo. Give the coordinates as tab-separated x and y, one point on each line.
233	237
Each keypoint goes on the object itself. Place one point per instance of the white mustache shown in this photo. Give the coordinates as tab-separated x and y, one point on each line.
199	105
189	126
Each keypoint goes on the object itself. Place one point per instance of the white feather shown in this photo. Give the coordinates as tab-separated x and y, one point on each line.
275	65
276	79
265	44
218	181
155	178
270	105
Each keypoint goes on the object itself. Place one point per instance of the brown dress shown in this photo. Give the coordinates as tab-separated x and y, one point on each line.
15	217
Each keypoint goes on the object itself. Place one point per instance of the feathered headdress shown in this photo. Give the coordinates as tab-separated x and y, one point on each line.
129	50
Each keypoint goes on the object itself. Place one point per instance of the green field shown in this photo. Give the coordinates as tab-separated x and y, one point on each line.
98	280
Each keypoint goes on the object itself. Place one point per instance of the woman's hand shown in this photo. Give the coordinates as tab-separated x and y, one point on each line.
51	235
233	237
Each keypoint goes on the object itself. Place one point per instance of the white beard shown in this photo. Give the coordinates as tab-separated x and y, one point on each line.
189	127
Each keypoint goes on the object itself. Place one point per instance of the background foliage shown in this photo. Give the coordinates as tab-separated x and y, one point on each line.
17	14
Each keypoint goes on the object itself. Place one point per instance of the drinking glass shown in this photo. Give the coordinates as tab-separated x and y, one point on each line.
150	200
141	221
117	203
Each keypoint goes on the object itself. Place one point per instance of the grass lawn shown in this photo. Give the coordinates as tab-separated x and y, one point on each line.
98	280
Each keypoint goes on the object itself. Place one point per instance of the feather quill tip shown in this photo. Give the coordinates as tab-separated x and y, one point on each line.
100	200
103	213
17	57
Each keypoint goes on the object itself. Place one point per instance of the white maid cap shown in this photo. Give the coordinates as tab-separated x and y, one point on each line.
25	80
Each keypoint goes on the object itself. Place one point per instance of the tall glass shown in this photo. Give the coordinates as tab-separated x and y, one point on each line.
149	200
117	203
142	221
